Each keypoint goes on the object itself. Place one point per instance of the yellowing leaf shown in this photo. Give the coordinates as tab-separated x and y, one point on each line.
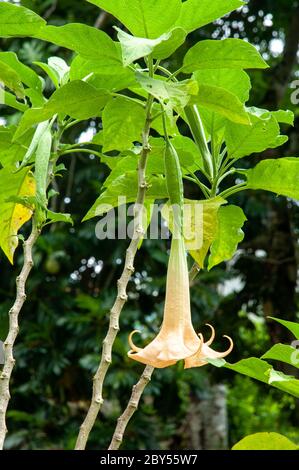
200	225
13	215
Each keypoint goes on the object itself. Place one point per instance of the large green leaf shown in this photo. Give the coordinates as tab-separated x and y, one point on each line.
10	78
144	18
13	215
280	176
25	74
283	353
76	99
222	102
113	78
123	121
228	235
134	48
265	441
195	14
124	190
244	140
176	94
224	54
18	21
89	42
290	325
264	372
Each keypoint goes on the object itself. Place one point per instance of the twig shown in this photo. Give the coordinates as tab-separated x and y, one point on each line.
97	394
132	406
14	329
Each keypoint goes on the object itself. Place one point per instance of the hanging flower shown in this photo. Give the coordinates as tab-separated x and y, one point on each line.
200	358
177	339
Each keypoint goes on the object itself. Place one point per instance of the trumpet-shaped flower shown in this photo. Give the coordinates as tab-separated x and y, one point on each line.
177	339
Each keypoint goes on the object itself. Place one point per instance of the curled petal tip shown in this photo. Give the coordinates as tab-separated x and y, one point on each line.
210	341
132	345
201	342
230	347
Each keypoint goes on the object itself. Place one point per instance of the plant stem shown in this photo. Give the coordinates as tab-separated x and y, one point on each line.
98	381
132	406
233	190
14	329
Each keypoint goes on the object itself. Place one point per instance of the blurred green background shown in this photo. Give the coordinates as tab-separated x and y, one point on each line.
73	284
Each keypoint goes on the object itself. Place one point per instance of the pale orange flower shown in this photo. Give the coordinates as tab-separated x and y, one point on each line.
177	338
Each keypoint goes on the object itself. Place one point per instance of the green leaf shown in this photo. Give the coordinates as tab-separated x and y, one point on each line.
284	116
184	146
25	74
280	176
233	80
87	41
195	14
76	99
18	21
144	18
176	94
56	69
114	79
283	353
11	101
52	74
43	154
244	140
290	325
12	152
13	215
123	121
265	441
124	190
222	102
224	54
59	217
228	234
264	372
134	48
11	79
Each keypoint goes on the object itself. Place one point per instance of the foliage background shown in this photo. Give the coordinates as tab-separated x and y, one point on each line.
73	284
